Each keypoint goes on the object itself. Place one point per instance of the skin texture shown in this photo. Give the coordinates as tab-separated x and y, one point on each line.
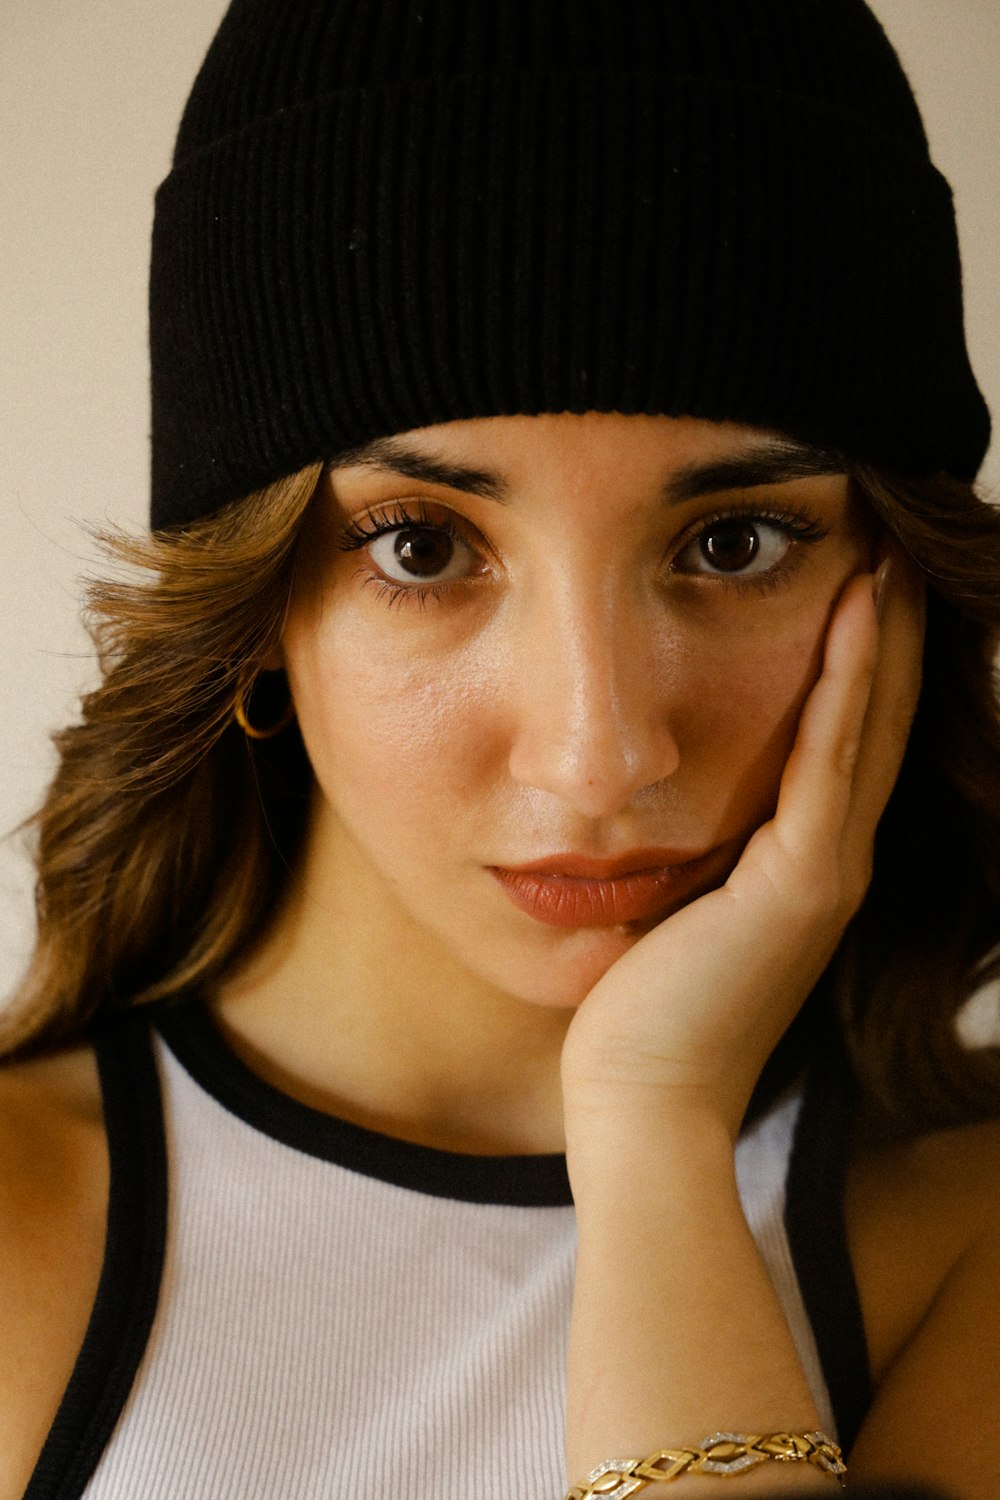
53	1188
573	696
584	683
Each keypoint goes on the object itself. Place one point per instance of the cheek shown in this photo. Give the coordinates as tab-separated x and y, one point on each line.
409	743
745	699
392	735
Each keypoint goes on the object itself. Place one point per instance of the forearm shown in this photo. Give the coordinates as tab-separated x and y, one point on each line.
677	1331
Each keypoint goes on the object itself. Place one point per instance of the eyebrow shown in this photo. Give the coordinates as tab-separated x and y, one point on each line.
392	456
775	461
772	461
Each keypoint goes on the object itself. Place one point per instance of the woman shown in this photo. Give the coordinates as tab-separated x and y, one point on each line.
524	770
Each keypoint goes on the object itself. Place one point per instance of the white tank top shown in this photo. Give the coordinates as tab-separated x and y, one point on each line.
341	1315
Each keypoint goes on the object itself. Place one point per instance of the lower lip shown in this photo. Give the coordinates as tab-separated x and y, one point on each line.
575	901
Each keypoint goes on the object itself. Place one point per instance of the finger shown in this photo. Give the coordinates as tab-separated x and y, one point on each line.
817	787
895	691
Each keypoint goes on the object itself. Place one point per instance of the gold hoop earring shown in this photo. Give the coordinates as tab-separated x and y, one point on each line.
243	720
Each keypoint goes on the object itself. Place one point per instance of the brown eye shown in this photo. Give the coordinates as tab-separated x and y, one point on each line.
730	547
421	554
736	546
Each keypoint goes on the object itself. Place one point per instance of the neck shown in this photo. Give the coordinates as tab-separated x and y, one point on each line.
351	1007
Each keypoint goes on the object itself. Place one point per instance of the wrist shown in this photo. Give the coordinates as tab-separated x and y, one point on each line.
687	1102
646	1141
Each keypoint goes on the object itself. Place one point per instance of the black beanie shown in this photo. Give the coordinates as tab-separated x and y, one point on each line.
388	213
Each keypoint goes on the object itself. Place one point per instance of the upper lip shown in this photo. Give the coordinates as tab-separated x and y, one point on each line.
587	867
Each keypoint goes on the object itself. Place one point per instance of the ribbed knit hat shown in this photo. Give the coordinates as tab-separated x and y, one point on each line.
388	213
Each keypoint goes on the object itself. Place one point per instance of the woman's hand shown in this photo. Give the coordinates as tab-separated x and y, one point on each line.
689	1015
676	1328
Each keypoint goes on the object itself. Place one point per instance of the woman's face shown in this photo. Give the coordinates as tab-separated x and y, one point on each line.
574	643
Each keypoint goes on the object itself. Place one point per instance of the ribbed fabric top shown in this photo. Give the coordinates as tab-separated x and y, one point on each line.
326	1328
830	52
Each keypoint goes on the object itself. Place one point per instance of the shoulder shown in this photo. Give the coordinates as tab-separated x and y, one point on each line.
916	1210
61	1088
53	1202
51	1126
924	1225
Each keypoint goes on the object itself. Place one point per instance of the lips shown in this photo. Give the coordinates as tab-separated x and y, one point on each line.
575	890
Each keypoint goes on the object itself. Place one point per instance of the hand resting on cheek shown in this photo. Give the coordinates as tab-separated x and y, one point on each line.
687	1018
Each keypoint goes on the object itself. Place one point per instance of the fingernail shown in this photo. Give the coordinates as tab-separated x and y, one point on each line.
878	586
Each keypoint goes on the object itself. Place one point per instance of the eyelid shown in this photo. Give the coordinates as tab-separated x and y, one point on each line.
756	507
803	525
358	531
800	527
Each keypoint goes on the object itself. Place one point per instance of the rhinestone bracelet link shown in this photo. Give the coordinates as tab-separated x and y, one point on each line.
719	1453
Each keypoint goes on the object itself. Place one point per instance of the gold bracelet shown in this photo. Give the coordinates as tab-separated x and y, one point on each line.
719	1453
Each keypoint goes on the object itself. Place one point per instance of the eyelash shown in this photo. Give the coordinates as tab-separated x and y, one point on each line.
359	532
797	524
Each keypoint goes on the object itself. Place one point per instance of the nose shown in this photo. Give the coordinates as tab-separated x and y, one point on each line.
592	717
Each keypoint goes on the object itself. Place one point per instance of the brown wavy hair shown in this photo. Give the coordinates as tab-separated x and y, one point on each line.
167	835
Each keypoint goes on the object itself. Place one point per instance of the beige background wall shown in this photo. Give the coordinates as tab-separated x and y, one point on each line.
90	94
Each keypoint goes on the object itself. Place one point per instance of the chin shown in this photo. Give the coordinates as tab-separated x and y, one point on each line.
562	980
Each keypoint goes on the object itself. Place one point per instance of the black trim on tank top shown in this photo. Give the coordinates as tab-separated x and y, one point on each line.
129	1286
817	1237
516	1181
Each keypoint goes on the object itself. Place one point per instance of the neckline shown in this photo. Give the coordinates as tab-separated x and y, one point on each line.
530	1181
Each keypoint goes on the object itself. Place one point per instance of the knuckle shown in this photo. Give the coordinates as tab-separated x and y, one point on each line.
816	894
845	755
831	893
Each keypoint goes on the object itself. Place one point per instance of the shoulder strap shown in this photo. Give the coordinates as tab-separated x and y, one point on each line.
127	1293
817	1237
